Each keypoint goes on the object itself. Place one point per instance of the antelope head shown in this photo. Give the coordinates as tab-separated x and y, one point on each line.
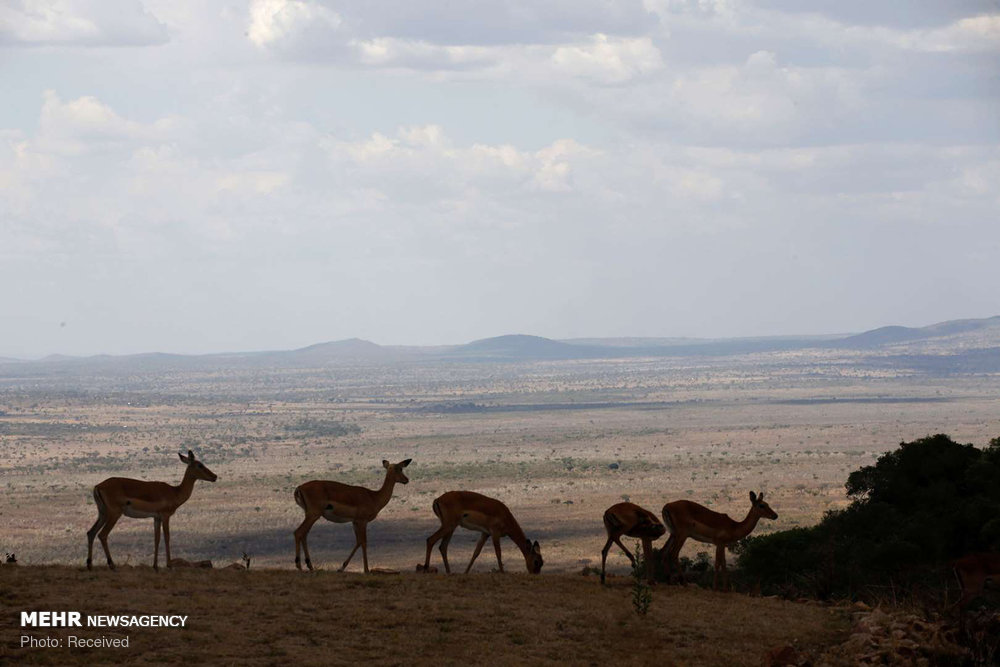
650	527
199	469
395	471
533	558
761	507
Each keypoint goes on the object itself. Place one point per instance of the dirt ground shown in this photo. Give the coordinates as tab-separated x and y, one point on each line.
268	617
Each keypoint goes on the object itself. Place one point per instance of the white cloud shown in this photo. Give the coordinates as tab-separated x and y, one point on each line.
79	23
428	157
86	124
609	60
419	55
971	34
275	20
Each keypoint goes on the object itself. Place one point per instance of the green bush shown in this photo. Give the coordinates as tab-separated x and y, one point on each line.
916	508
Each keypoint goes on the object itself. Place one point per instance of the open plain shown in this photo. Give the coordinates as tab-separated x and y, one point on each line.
558	440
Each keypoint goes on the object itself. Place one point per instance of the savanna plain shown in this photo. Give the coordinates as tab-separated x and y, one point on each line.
557	440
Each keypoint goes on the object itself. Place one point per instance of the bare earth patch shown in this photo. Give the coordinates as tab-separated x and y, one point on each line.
264	617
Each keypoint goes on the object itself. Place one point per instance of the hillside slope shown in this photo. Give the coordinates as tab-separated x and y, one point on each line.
265	617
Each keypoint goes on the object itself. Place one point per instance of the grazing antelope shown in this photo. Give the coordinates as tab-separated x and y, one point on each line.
973	570
686	519
341	503
488	516
631	520
137	499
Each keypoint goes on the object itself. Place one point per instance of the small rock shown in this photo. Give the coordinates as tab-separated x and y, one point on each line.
781	656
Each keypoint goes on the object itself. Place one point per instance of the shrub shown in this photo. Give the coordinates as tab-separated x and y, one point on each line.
919	506
642	594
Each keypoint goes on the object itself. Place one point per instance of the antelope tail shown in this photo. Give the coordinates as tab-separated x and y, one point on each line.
668	522
98	500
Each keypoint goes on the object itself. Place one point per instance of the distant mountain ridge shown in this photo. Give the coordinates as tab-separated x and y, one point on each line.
981	334
349	348
521	346
897	334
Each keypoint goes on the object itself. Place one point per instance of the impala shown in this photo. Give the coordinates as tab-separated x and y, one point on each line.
686	519
341	503
973	570
485	515
137	499
634	521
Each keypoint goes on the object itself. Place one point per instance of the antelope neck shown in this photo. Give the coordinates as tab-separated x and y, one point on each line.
384	493
517	536
746	526
186	486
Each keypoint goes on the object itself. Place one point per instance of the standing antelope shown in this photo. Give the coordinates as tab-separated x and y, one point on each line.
686	519
631	520
972	571
137	499
341	503
488	516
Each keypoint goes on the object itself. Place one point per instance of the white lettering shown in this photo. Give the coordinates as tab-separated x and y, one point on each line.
40	642
97	642
50	619
106	621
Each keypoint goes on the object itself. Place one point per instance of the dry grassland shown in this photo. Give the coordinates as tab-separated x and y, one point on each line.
551	467
268	617
711	430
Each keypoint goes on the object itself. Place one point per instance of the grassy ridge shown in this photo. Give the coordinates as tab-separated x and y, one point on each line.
262	617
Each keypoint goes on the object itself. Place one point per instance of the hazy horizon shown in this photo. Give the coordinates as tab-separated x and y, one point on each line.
251	175
458	343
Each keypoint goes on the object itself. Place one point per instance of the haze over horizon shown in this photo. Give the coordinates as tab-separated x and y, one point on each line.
268	174
600	341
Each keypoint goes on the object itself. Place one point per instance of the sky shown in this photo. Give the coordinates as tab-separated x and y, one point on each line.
189	176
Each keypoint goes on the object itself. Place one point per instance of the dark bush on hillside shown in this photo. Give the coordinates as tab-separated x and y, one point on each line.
916	508
322	428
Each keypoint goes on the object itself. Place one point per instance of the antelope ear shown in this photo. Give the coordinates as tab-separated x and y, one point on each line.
191	455
385	464
535	548
184	458
406	462
761	496
753	497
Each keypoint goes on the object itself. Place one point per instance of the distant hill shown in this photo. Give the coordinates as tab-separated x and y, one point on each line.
520	346
653	343
632	341
945	345
350	348
63	357
896	334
